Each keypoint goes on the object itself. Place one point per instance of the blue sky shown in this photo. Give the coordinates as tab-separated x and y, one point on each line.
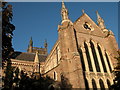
41	19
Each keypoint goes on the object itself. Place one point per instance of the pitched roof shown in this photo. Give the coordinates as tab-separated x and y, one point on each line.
27	56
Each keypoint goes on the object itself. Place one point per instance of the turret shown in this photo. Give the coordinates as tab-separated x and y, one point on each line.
64	14
100	21
45	44
30	46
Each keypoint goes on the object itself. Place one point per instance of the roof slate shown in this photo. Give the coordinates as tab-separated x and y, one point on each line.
27	56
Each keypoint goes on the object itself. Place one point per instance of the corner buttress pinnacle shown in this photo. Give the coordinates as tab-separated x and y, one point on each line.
36	60
64	13
30	46
100	21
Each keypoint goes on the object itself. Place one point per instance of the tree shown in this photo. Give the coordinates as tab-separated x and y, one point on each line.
23	81
65	84
116	85
7	50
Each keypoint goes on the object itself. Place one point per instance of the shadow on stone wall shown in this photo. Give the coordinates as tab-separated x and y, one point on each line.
23	81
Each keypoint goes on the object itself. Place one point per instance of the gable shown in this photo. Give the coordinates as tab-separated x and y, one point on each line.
86	25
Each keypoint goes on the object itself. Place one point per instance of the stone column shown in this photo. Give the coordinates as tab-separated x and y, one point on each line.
98	57
91	57
111	80
90	83
110	60
105	84
97	83
106	63
85	59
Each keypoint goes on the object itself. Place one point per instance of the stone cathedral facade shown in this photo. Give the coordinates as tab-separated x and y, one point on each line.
84	53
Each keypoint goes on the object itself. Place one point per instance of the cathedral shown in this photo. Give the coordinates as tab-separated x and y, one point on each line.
84	53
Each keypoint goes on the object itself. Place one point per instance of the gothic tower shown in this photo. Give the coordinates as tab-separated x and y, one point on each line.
69	52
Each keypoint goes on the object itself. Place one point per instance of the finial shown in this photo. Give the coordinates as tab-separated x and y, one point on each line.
98	16
96	12
100	21
31	38
63	5
45	43
64	13
31	41
30	46
83	11
36	51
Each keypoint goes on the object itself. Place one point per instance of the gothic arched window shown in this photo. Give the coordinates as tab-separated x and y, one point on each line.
88	57
108	62
94	84
101	84
102	59
82	59
108	83
95	56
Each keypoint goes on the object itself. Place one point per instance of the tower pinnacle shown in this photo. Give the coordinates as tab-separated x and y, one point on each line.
45	43
83	11
64	13
31	42
100	21
63	5
30	46
36	60
46	46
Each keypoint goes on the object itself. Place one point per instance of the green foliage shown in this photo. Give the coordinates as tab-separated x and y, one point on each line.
7	50
23	81
116	85
65	84
7	31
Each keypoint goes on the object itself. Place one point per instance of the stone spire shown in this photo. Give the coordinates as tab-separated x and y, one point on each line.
31	42
64	13
45	44
36	63
36	60
83	11
100	21
30	46
63	5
